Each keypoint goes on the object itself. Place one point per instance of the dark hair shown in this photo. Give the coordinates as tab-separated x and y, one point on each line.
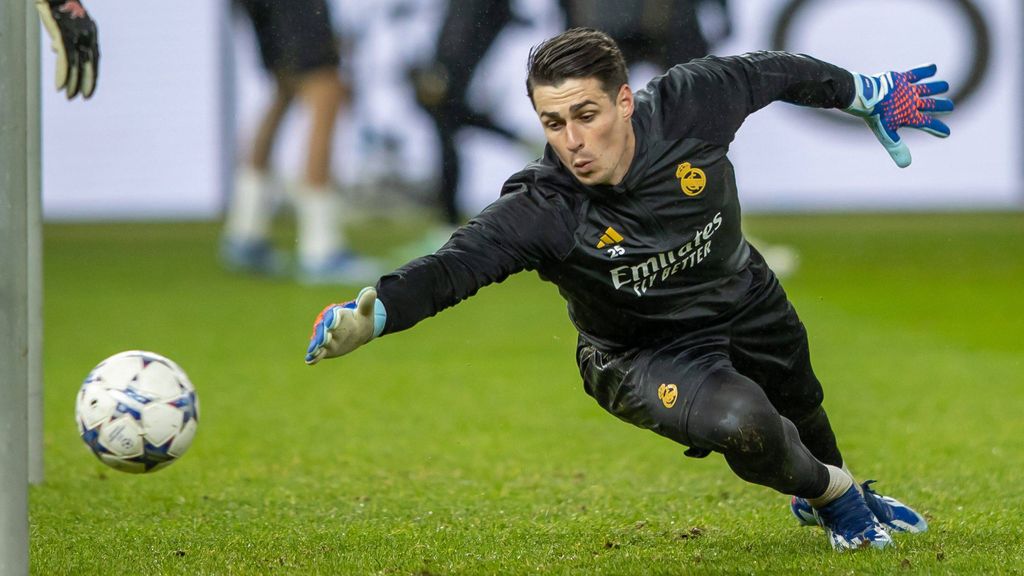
577	53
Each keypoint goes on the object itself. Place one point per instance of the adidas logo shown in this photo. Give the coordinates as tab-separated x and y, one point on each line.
609	237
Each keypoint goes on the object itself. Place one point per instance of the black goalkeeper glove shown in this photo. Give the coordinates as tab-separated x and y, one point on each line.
74	39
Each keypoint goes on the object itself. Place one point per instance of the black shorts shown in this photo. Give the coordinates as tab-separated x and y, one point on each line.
762	339
295	36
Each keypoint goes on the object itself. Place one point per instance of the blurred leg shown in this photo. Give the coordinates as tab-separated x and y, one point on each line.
458	61
251	207
323	257
447	127
263	143
322	92
316	201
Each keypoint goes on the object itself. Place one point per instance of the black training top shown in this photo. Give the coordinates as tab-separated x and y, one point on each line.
660	252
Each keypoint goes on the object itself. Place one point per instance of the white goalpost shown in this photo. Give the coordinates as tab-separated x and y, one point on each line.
20	280
34	187
13	292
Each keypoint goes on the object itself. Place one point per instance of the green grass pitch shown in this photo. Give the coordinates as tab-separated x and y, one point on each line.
467	445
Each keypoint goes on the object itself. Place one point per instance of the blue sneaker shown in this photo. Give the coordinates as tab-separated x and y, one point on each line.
850	524
255	256
895	515
343	267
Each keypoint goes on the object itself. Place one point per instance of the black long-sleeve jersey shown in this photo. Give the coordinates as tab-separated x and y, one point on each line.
659	253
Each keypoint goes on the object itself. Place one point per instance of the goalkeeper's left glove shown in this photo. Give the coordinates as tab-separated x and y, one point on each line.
341	328
74	39
893	100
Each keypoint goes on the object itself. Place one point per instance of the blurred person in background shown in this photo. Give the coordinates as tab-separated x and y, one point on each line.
659	32
75	41
634	214
299	48
653	31
469	29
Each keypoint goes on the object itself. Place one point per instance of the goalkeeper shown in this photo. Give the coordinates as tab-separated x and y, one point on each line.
633	214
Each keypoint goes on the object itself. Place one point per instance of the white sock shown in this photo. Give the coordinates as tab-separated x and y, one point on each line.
316	209
251	206
838	483
847	470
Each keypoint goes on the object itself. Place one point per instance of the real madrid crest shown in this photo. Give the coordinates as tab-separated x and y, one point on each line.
691	180
668	393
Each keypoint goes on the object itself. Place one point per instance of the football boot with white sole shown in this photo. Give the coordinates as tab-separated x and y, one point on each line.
850	524
895	515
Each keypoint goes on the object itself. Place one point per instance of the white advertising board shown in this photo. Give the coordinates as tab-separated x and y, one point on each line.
791	158
158	139
148	143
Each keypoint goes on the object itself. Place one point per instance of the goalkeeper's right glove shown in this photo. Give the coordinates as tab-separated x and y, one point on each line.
341	328
890	101
74	39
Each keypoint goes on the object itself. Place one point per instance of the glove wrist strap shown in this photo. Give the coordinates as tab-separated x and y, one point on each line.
868	90
380	318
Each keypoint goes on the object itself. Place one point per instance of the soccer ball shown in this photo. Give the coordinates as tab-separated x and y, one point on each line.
137	411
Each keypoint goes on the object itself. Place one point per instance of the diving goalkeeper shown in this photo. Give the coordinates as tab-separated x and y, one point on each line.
633	213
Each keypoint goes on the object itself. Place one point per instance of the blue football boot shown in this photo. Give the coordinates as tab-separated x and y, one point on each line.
895	515
252	256
803	511
850	524
342	267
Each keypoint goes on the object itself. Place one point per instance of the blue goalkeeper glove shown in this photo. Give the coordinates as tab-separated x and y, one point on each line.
341	328
893	100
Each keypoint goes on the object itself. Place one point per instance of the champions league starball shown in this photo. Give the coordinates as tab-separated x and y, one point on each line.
137	411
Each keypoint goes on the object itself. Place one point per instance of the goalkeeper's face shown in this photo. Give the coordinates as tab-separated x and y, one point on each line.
591	133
